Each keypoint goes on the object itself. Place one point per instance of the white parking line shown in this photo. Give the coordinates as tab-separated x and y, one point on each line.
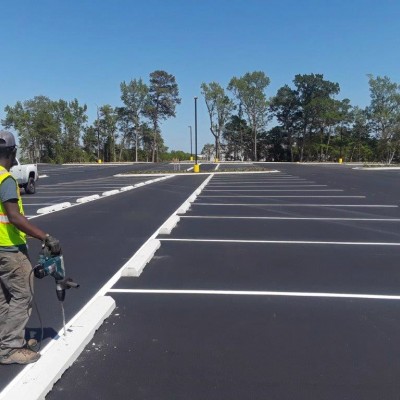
283	196
273	190
269	186
293	218
295	205
37	204
279	242
58	196
228	181
258	293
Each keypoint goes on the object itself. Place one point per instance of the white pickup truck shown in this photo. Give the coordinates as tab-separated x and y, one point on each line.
26	176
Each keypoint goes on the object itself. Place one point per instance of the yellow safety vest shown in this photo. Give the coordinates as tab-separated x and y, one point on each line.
9	234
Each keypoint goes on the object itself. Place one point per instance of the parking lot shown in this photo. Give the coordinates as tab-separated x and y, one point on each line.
275	286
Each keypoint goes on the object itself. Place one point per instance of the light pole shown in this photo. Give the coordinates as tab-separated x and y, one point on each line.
196	167
98	135
191	150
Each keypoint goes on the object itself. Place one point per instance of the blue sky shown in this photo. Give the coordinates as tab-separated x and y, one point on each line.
84	49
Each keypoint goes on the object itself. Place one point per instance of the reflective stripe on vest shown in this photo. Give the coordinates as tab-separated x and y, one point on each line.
9	234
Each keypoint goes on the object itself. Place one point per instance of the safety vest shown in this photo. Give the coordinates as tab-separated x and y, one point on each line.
9	234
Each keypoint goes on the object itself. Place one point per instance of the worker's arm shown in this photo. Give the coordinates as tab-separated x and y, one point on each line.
21	222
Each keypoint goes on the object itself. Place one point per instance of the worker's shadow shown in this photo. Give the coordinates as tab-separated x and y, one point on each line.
36	333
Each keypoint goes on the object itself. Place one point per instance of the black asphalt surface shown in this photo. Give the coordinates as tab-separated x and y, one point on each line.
276	267
67	183
239	347
97	239
227	346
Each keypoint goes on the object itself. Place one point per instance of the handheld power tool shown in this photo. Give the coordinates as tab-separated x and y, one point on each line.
54	265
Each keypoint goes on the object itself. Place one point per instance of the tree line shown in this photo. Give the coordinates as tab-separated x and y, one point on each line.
309	122
58	131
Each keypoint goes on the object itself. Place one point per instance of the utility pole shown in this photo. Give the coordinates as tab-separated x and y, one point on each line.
191	150
98	134
196	167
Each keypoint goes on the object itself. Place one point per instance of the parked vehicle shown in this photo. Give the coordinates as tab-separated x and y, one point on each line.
26	176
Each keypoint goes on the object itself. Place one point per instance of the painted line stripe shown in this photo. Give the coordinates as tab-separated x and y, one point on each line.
295	218
284	196
228	181
273	190
258	293
38	204
279	242
297	205
269	186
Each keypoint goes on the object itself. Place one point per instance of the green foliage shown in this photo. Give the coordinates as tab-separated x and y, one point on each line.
249	91
219	107
161	103
312	124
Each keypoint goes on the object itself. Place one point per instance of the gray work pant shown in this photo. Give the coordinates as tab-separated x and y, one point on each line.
15	299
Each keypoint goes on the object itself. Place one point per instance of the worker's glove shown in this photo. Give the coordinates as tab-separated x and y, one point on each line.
53	245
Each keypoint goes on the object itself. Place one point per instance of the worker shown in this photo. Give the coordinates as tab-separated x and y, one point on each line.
16	279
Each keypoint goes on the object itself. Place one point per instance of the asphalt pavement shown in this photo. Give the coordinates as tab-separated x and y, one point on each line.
260	297
97	239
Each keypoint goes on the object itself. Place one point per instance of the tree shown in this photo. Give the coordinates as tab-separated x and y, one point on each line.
359	136
249	90
161	104
135	97
313	92
219	108
208	150
286	108
90	142
384	114
106	124
71	119
238	137
37	127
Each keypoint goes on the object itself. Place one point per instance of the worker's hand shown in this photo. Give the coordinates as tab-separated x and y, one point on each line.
53	245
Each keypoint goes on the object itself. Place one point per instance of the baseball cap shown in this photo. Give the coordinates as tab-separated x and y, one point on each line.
6	139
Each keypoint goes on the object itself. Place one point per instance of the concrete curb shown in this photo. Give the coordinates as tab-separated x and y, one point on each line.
110	192
126	188
87	198
36	380
137	263
53	207
183	208
169	224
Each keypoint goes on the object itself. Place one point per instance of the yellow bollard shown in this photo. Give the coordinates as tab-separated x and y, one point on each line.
191	158
196	168
99	160
340	160
216	160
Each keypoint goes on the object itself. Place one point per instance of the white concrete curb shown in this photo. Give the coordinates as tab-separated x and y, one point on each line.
110	192
54	207
126	188
36	380
169	224
137	263
87	198
183	208
192	198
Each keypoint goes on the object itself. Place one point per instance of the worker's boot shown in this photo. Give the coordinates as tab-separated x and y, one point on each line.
20	356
